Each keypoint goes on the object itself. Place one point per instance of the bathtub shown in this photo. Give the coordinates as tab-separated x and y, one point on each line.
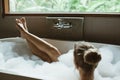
63	46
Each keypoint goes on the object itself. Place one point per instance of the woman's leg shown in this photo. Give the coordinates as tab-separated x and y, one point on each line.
39	47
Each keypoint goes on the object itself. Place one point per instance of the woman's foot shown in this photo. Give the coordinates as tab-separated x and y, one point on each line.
21	26
23	20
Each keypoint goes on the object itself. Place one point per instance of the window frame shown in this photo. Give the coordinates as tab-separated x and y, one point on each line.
5	9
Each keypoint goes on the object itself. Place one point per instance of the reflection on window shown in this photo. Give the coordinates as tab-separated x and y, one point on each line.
64	5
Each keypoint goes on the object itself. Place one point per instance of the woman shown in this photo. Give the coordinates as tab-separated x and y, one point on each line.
86	56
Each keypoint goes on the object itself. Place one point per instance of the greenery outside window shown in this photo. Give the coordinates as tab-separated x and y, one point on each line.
62	6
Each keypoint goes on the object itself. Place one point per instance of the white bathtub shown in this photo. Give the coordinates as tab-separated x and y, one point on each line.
63	46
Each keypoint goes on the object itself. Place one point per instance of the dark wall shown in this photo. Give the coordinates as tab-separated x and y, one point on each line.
102	29
95	28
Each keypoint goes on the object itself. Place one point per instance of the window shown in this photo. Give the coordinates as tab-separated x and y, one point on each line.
62	6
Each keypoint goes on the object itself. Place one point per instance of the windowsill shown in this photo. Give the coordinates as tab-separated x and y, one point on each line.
65	14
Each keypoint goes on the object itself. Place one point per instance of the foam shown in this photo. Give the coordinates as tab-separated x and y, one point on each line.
15	56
